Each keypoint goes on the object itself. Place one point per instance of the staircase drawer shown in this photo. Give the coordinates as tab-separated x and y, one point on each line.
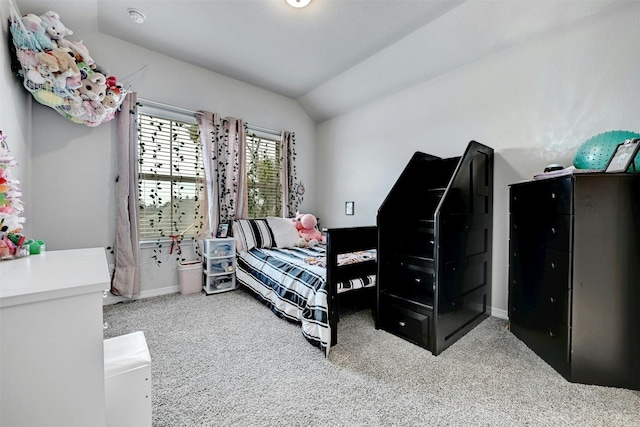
407	324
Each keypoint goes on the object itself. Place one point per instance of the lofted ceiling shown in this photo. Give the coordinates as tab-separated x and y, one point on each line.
333	55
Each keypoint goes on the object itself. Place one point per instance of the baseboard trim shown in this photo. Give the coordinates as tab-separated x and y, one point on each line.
114	299
499	313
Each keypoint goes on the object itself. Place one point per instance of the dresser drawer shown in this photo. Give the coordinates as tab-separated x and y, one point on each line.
535	261
407	324
555	346
547	304
550	342
555	306
551	231
556	267
548	197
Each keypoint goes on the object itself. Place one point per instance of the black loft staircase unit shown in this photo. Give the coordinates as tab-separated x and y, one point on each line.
434	248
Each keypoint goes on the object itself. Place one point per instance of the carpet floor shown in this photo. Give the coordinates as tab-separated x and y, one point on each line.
227	360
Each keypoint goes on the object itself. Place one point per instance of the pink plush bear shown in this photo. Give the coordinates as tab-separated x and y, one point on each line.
306	225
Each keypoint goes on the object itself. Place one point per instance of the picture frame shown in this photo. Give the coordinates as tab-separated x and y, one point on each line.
223	230
624	156
349	208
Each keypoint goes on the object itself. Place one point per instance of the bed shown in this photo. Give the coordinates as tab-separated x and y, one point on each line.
304	285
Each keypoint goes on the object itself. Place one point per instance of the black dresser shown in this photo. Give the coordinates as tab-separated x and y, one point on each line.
434	248
574	275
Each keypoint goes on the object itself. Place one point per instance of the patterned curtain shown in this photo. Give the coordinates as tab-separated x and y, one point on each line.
126	276
223	151
292	189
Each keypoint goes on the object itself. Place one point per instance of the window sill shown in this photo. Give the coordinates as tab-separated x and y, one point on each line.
164	243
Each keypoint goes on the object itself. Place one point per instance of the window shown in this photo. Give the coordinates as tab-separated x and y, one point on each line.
264	160
170	175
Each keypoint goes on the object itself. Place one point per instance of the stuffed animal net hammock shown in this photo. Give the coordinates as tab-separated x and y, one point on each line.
61	74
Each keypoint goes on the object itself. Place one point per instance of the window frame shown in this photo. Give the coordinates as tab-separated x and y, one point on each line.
274	138
173	115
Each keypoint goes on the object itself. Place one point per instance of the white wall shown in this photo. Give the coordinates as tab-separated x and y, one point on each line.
534	104
15	115
73	166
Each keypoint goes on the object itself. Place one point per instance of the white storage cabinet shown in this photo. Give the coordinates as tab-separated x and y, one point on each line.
219	265
51	334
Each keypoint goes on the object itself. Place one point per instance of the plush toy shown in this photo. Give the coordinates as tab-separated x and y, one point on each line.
306	226
27	58
112	82
91	92
74	81
42	73
39	40
67	63
110	102
73	105
32	77
114	92
53	27
55	66
94	109
78	50
93	87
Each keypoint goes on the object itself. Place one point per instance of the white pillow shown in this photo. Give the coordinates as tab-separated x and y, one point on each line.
236	236
284	231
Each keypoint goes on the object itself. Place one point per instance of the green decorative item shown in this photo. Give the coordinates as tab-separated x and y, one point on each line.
596	151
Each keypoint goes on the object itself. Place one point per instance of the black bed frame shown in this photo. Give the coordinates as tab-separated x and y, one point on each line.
340	241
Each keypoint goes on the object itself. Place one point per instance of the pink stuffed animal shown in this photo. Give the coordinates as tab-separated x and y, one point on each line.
306	226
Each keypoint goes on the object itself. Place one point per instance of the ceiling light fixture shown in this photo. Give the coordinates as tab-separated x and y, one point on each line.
136	16
298	3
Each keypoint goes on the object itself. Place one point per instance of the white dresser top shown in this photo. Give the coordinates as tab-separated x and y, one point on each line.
53	274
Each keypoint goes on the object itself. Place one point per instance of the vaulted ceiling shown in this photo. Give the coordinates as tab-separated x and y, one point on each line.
333	55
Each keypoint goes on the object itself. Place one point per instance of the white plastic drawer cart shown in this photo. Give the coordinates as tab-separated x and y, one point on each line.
219	265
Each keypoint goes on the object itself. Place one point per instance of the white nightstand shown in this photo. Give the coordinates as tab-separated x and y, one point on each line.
219	265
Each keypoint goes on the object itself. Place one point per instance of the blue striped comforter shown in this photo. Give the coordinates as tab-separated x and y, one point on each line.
292	288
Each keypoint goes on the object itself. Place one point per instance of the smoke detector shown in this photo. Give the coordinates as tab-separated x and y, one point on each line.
136	16
298	3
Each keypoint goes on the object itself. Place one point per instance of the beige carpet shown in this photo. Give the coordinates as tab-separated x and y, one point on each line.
227	360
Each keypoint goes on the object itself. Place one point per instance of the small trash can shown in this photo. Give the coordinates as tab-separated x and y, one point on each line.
190	277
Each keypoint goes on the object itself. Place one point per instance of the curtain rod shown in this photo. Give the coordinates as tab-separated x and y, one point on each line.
151	103
264	129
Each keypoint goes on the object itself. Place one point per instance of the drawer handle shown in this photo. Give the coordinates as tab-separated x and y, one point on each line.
552	334
553	230
553	265
401	324
552	299
553	195
417	280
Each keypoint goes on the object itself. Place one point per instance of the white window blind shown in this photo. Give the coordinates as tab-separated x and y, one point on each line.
264	164
170	176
